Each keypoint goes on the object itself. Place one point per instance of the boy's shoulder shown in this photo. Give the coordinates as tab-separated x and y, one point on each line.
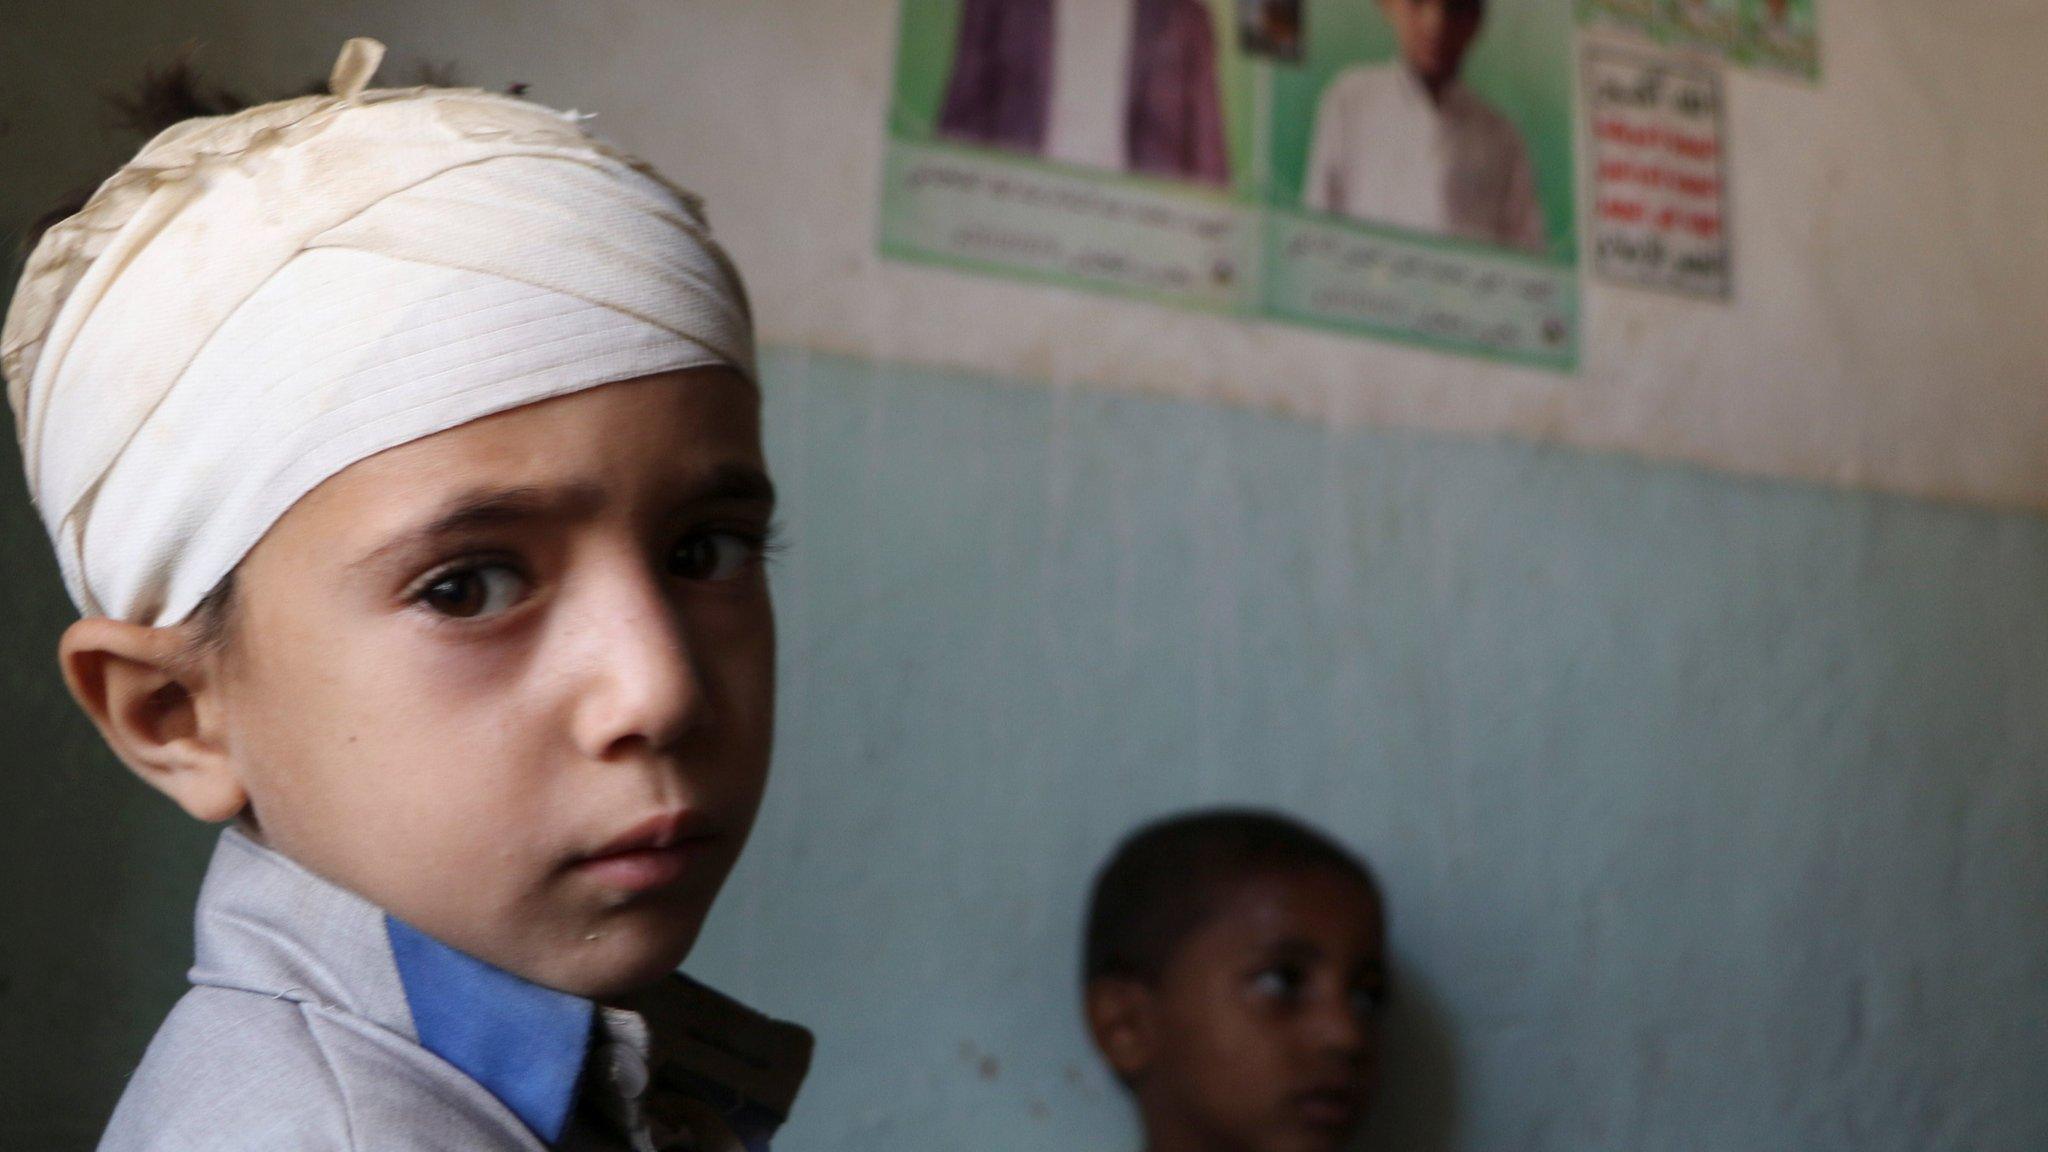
1482	116
1364	83
231	1071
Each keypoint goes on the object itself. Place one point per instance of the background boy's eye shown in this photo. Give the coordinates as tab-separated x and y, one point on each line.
471	593
713	555
1280	982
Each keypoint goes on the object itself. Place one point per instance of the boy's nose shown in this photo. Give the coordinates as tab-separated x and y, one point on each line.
1339	1031
643	691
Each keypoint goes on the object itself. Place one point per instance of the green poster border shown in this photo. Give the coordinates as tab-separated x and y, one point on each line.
1260	307
1566	361
1243	309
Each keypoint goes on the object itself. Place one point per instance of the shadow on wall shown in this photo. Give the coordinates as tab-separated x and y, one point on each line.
1416	1107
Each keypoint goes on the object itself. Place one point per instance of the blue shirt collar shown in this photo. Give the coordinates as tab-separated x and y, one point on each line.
267	926
523	1042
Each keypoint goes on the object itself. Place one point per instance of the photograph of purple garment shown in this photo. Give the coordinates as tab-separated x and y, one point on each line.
1128	85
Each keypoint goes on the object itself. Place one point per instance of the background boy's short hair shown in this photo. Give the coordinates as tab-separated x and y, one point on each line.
1162	882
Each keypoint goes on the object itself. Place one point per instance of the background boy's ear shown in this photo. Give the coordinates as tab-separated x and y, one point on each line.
153	708
1122	1020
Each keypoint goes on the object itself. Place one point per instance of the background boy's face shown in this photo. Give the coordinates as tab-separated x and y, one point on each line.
1260	1034
514	682
1434	35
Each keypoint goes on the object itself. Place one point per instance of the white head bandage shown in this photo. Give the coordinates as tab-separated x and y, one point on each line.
257	301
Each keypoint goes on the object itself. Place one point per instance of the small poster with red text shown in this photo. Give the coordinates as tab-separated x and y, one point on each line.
1658	212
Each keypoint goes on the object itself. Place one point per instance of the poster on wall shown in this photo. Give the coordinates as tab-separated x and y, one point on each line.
1657	155
1390	168
1421	176
1778	36
1094	143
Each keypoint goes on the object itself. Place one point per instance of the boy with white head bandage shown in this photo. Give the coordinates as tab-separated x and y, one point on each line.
401	450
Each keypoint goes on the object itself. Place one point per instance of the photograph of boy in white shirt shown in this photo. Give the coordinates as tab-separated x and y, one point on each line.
1408	145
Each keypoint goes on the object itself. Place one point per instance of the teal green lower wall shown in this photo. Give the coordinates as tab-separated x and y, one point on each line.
1711	811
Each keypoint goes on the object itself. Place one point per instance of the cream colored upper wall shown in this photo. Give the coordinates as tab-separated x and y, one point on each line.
1889	327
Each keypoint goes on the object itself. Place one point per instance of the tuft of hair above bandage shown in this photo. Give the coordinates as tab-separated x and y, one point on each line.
257	301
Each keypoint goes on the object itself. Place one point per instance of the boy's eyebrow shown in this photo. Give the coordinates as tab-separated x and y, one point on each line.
735	482
491	507
1305	948
484	508
1294	948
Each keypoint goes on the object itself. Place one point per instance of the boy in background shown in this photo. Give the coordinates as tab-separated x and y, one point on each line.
1408	144
1233	973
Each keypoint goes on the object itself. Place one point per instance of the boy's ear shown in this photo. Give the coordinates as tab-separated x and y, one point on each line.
1123	1022
155	709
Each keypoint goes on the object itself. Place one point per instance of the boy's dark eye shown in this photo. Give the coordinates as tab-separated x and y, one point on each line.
1279	982
473	593
714	555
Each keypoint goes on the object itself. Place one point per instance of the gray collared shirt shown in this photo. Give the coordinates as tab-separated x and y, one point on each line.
316	1022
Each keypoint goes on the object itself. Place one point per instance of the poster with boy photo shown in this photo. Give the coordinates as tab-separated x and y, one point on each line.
1136	146
1422	174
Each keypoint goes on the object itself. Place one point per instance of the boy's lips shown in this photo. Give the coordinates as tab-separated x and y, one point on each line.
1330	1106
657	831
650	854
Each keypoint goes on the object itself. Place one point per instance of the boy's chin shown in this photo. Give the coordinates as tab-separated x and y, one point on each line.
615	962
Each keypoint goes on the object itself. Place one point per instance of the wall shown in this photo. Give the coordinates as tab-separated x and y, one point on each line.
1709	807
1891	245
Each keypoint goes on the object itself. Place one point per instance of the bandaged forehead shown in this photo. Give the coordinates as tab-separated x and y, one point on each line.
257	301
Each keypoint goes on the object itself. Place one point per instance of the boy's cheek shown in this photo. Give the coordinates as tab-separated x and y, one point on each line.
735	637
1230	1060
